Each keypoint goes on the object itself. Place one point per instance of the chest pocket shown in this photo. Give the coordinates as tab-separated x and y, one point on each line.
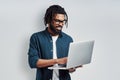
62	49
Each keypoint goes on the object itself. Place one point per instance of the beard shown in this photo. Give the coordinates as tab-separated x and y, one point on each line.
54	30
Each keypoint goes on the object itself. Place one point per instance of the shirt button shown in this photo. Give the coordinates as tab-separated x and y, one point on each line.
51	41
51	50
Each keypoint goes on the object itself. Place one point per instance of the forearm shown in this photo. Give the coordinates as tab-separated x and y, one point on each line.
45	63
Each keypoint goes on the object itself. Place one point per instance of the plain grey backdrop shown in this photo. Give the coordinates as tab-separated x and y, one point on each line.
88	20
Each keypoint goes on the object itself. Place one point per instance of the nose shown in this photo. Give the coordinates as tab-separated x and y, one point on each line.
61	24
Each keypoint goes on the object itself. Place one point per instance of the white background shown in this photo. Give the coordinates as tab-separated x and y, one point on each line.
88	19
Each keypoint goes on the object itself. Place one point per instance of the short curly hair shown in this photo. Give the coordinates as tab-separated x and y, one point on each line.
51	11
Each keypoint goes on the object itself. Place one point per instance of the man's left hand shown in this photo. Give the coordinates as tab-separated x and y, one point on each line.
71	70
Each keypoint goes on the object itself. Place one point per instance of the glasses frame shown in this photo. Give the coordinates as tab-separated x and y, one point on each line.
59	21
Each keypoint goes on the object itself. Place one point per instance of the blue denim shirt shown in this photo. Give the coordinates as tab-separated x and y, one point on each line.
41	47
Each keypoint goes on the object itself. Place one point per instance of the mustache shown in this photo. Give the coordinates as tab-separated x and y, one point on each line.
59	26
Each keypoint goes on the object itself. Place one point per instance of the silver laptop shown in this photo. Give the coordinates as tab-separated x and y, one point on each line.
80	53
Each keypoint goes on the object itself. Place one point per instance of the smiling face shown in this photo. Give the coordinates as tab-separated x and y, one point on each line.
56	25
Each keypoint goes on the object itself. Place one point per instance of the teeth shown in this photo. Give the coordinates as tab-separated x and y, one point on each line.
59	28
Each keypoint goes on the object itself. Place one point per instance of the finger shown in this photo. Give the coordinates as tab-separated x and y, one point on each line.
79	66
72	70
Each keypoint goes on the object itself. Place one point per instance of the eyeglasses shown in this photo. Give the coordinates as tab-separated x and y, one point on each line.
59	21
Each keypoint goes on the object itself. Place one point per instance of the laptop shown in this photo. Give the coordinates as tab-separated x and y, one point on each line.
79	53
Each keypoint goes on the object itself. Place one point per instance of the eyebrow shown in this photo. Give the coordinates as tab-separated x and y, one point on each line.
60	20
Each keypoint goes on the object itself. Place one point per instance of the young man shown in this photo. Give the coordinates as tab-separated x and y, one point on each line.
50	47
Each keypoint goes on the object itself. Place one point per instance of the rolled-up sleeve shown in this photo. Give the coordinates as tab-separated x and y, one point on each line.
33	52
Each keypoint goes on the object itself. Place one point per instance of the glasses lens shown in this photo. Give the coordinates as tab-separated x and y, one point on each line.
59	21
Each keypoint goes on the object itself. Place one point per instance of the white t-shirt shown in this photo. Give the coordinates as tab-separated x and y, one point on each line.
55	71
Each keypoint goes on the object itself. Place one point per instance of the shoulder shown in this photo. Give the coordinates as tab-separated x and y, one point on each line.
67	36
36	34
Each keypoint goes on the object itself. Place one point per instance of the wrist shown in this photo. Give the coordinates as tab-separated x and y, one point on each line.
56	61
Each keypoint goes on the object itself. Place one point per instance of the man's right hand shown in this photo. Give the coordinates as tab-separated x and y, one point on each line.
61	60
49	62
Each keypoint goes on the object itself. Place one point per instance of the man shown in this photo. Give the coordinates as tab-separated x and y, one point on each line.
50	47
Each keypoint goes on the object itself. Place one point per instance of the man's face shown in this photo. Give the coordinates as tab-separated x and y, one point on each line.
57	23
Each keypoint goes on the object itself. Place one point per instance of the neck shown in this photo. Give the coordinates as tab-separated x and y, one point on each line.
50	31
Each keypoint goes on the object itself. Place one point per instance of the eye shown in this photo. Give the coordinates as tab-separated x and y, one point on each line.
59	21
